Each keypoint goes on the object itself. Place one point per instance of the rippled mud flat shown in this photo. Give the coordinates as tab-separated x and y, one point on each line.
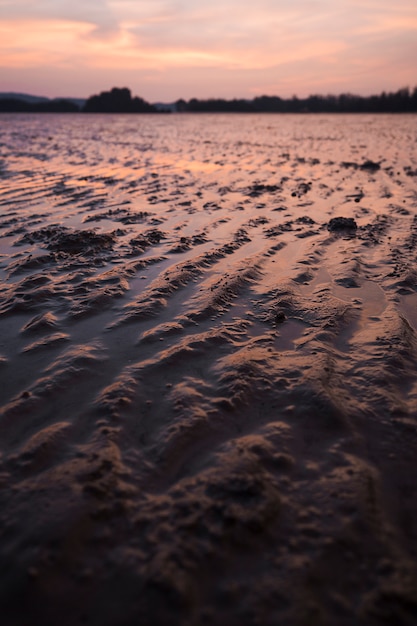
208	385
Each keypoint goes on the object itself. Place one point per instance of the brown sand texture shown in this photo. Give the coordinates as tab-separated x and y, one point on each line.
208	384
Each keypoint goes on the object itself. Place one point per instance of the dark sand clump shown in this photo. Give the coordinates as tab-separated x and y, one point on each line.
209	370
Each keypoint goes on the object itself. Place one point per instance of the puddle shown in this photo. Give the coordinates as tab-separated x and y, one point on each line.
370	295
368	300
321	279
289	332
408	307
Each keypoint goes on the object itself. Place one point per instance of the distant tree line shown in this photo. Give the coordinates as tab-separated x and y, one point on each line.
119	100
401	101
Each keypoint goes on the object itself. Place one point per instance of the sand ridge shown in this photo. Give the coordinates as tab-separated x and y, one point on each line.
209	392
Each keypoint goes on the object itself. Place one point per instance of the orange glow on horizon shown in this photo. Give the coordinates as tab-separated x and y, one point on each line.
33	43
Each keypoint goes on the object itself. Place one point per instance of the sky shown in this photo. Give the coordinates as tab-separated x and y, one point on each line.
164	50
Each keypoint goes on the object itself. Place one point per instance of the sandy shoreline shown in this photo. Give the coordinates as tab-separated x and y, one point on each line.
209	396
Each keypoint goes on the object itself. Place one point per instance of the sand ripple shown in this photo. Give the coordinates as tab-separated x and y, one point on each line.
209	397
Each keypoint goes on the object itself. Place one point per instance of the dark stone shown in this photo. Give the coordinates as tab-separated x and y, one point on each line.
280	317
62	239
257	189
342	223
370	166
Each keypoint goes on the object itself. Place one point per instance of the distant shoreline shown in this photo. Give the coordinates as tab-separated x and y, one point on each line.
197	113
120	100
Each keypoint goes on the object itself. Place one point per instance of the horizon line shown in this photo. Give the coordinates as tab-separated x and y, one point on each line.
206	99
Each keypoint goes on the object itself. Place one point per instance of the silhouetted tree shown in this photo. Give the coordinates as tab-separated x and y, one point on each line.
117	101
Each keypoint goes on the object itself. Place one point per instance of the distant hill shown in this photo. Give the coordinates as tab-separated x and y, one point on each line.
11	95
28	98
80	102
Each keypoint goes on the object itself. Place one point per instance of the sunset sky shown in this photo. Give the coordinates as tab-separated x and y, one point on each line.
166	49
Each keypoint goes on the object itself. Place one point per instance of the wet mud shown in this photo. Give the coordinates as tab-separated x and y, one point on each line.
208	357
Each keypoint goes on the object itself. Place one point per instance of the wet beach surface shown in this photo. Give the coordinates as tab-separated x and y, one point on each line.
209	383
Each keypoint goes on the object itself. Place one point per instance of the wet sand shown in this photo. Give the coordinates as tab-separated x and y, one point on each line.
208	385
